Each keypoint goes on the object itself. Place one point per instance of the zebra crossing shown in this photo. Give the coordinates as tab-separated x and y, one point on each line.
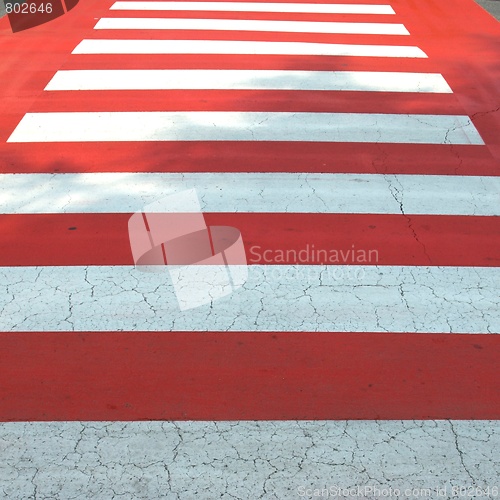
388	297
327	129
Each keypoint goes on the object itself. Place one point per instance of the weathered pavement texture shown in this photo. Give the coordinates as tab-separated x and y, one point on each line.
359	129
249	460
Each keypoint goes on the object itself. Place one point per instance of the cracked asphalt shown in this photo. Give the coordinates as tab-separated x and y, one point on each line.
268	460
308	298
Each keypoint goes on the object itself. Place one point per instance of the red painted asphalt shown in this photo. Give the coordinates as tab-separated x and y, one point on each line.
463	47
248	376
102	239
254	375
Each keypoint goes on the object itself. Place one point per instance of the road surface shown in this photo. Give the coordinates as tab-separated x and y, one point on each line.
356	148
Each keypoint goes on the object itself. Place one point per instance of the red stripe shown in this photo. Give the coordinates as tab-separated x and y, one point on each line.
102	239
222	156
247	376
249	100
223	61
265	36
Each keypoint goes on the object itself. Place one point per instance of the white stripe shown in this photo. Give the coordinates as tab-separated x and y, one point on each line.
317	8
275	298
245	126
168	459
242	47
164	79
253	192
146	23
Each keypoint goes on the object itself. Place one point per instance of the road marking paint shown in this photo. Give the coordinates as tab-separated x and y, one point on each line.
90	46
164	376
151	79
245	126
93	239
148	23
305	298
253	192
246	156
314	8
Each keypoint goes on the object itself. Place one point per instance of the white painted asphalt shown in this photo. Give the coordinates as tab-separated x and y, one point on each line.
151	23
313	8
163	79
267	460
238	47
245	126
275	459
295	298
253	192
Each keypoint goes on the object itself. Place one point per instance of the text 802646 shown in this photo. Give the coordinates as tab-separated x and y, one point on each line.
28	8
